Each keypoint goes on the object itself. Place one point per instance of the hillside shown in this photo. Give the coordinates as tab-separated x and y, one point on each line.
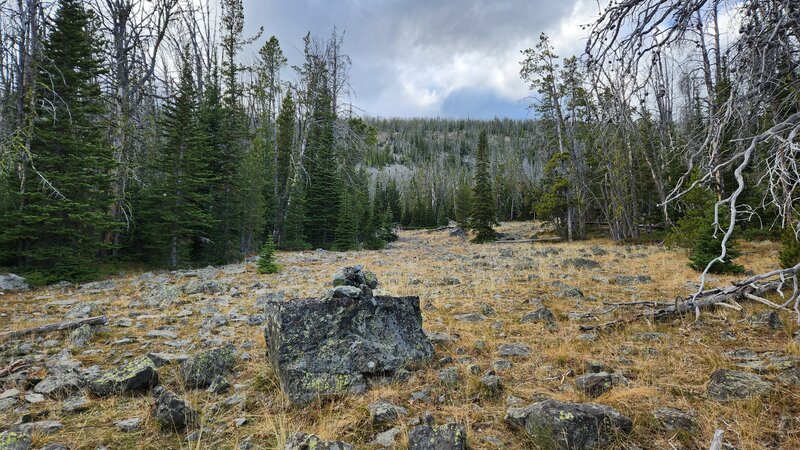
473	300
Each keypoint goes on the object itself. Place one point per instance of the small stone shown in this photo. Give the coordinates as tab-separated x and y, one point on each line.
75	404
769	320
385	412
240	421
161	334
34	398
59	385
450	281
305	441
219	386
597	384
128	425
12	440
387	439
40	427
491	383
10	393
672	420
449	375
470	317
519	350
451	436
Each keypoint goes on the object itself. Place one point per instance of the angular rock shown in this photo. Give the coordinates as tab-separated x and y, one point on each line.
384	412
75	404
40	427
203	287
201	369
59	385
520	350
82	311
628	280
11	440
355	276
597	384
136	376
769	320
451	436
449	375
128	425
582	263
161	296
323	347
387	439
541	315
491	383
305	441
171	412
13	283
727	385
672	419
81	336
555	425
470	317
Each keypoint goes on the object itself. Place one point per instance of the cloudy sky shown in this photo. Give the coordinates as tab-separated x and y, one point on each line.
415	58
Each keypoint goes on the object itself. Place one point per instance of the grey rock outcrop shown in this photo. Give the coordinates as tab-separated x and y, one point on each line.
451	436
13	283
171	412
727	385
305	441
200	370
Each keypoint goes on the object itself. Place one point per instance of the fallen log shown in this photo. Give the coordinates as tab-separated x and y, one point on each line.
528	241
61	326
705	299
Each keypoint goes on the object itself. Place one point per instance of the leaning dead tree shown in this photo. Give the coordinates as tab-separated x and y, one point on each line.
752	86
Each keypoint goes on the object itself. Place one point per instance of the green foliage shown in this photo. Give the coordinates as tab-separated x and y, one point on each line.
61	228
321	165
294	235
347	225
462	203
483	215
790	249
285	149
266	260
707	247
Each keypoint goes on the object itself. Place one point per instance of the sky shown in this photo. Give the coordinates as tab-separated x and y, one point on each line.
429	58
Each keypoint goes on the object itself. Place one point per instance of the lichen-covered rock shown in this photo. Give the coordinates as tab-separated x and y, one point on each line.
11	440
727	385
201	369
203	287
305	441
59	385
597	384
515	349
451	436
323	347
138	375
171	412
569	426
13	283
383	412
81	336
672	419
356	277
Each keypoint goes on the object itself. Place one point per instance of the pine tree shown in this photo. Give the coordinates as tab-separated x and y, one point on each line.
294	233
323	188
266	261
173	215
285	151
483	208
347	224
60	228
708	247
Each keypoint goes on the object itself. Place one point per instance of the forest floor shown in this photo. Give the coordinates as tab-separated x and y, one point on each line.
666	364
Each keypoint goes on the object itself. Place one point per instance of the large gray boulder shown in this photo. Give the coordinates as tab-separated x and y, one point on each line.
172	412
13	283
323	347
569	426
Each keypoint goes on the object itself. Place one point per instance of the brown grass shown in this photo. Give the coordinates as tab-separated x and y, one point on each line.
668	372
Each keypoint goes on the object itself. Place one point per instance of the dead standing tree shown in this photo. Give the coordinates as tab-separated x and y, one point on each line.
762	65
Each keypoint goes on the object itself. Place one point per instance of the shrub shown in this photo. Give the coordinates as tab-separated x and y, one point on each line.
266	262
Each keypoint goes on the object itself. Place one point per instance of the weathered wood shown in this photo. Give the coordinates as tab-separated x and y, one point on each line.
61	326
706	299
716	442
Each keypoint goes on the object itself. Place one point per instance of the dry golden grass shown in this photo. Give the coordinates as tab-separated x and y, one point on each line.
668	372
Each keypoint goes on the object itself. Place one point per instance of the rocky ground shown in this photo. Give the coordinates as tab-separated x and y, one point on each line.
504	319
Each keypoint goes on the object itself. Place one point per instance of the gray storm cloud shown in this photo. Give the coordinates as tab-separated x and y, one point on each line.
430	57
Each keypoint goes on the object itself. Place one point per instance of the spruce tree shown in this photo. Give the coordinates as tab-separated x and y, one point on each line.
323	187
294	231
172	216
483	216
266	260
347	224
285	151
60	228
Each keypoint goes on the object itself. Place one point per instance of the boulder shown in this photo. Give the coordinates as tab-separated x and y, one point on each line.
11	440
171	412
555	425
355	276
541	315
327	346
201	369
727	385
81	336
451	436
582	263
305	441
203	287
136	376
769	320
597	384
520	350
13	283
